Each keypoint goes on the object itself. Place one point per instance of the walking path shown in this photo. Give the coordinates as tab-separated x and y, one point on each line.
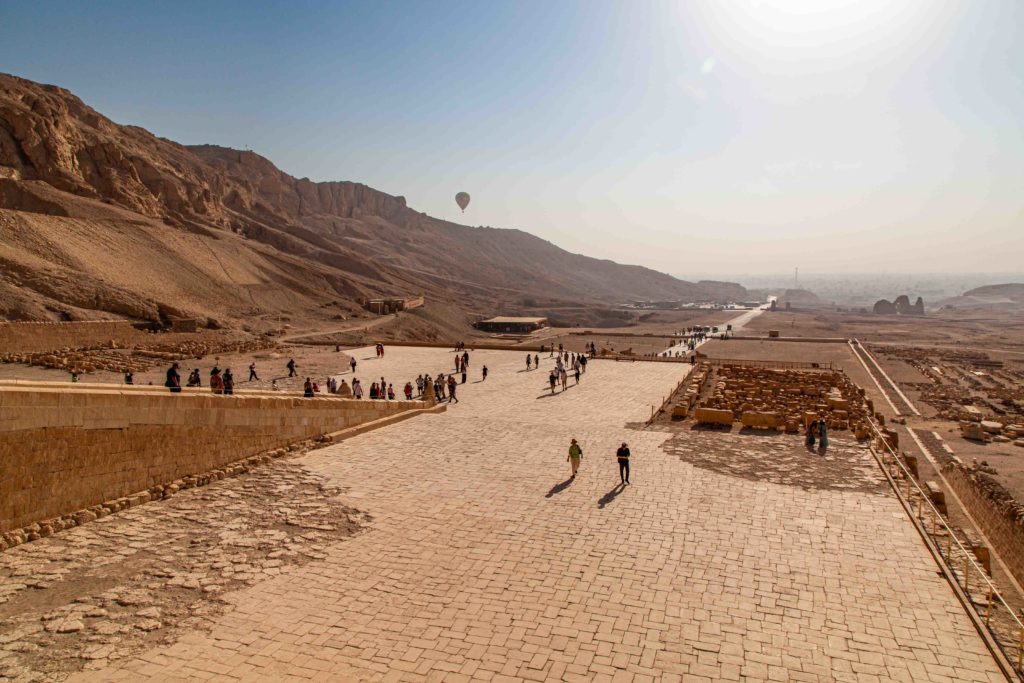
737	324
481	560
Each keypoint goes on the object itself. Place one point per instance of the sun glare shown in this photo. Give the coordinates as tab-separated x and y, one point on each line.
812	28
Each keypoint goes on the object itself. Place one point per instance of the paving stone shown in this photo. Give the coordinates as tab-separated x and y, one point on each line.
481	559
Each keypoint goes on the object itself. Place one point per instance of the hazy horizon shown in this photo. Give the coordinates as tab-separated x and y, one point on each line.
750	137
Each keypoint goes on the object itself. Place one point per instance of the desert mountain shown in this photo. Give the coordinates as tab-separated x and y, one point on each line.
1008	295
98	218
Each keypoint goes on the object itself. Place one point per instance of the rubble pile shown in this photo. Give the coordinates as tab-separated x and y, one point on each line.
784	399
964	385
110	358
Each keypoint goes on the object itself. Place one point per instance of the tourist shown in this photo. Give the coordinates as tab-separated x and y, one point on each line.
352	363
822	435
583	363
373	391
574	457
419	385
408	391
307	388
536	361
552	379
391	393
529	362
622	455
465	360
564	377
381	350
357	388
291	367
273	385
576	373
811	433
451	389
129	378
74	378
216	382
463	373
484	375
173	381
252	373
194	379
316	388
229	382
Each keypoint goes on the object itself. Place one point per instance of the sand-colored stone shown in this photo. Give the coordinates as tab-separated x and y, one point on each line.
66	448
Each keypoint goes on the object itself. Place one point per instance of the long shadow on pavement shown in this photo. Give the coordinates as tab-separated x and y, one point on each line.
559	487
610	496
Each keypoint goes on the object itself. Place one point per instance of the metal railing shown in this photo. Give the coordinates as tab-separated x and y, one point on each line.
1008	635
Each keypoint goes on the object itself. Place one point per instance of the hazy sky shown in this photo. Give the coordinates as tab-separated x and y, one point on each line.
744	136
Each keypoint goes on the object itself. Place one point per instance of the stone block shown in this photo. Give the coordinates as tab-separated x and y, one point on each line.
713	416
973	431
991	426
761	420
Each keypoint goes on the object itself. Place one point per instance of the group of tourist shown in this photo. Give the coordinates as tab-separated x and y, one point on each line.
560	372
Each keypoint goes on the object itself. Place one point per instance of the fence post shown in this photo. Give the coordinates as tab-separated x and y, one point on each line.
967	576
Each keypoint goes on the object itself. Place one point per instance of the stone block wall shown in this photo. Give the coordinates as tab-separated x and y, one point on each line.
43	337
63	451
1002	523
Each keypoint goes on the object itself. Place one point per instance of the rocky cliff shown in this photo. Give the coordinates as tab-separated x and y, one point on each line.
96	212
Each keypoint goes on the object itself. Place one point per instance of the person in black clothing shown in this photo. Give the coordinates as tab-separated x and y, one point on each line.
623	457
291	367
252	372
484	372
353	364
173	379
229	382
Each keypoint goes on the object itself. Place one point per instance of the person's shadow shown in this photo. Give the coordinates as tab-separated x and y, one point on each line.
611	495
559	487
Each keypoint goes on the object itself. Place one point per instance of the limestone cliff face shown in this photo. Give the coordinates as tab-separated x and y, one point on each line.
48	134
60	158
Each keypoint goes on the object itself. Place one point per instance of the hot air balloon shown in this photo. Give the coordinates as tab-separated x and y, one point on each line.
462	199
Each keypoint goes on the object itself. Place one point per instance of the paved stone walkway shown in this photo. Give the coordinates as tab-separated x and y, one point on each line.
480	560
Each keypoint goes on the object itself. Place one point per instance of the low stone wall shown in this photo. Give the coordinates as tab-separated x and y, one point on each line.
63	451
1002	523
43	337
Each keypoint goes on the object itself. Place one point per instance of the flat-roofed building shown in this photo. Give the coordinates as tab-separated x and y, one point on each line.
512	325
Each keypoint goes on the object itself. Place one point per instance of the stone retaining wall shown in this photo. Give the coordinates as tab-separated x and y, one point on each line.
63	451
1000	524
42	337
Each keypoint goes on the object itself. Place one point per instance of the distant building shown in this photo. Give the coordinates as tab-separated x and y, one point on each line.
385	306
507	325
